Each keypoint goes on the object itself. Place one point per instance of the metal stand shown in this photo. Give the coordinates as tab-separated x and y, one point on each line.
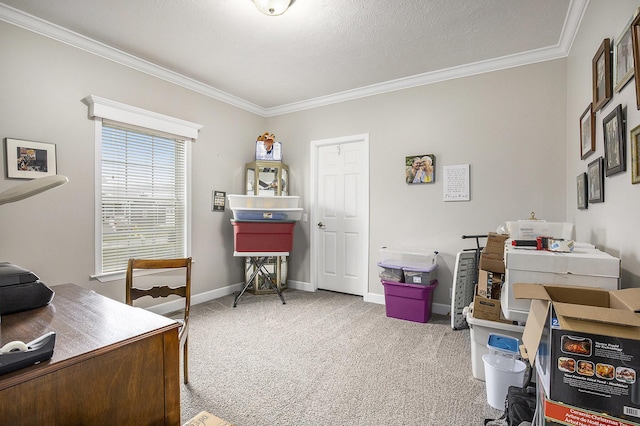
258	259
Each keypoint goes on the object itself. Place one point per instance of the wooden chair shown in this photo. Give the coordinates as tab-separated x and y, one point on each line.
183	290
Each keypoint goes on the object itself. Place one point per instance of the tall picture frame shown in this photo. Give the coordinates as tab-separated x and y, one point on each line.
601	74
587	132
595	180
614	142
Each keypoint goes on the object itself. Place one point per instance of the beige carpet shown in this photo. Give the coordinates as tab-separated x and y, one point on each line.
327	358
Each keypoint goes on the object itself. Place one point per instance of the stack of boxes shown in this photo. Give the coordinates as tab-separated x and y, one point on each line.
486	303
409	279
485	317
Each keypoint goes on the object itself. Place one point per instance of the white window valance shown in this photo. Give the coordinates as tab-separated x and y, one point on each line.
122	113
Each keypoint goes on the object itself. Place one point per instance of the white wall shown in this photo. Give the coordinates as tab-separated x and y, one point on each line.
508	125
42	83
610	225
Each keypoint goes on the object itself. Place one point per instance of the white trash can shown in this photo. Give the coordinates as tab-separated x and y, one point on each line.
499	377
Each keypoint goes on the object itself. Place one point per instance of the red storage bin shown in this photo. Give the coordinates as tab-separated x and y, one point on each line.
262	236
411	302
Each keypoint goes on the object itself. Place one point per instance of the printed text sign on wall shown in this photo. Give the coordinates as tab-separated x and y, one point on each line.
456	183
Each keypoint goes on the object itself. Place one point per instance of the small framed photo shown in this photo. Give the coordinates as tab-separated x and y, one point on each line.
601	70
623	64
29	160
420	168
582	191
614	142
587	133
635	151
595	180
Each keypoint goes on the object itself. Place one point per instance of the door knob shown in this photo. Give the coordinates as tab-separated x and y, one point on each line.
320	225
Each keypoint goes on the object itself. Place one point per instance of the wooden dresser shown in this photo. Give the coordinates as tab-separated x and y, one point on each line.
112	364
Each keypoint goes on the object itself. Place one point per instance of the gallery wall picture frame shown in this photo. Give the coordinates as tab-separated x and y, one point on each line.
28	159
614	142
634	135
635	42
601	74
595	180
582	194
587	132
623	63
420	168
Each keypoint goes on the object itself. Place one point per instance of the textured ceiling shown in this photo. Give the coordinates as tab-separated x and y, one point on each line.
317	49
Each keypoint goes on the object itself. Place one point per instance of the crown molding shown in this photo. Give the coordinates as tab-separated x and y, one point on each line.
58	33
571	25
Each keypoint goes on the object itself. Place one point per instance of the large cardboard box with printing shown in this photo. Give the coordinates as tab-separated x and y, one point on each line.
585	345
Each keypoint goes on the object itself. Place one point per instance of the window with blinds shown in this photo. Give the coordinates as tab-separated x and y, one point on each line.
143	197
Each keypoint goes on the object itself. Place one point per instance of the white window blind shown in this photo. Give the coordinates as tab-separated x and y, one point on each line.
144	204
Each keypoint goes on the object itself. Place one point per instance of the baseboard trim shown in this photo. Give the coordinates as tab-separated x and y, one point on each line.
165	308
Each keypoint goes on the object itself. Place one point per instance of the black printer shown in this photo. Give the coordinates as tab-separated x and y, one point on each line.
21	290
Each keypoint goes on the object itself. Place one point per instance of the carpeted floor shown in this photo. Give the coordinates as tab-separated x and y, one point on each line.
327	358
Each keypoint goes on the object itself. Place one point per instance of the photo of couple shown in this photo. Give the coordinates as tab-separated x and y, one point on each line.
420	168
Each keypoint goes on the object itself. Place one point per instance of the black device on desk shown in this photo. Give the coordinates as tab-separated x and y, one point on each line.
16	355
21	290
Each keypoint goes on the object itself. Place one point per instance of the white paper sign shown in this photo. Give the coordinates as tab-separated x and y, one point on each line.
456	183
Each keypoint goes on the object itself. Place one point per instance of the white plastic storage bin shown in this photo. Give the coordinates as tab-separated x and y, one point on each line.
262	201
479	331
408	257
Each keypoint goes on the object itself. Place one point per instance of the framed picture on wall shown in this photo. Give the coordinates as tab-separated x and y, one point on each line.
635	43
587	133
635	150
582	194
29	160
614	142
601	74
595	180
420	168
623	64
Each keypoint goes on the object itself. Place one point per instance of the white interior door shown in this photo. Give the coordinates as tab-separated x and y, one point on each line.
340	214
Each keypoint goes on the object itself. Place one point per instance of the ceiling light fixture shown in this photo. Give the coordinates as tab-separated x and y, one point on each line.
272	7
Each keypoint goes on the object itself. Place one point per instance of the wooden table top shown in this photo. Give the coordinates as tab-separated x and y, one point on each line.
86	324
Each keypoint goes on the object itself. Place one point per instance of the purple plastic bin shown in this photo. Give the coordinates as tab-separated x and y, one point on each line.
411	302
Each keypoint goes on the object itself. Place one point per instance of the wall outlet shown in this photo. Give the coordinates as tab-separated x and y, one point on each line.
305	217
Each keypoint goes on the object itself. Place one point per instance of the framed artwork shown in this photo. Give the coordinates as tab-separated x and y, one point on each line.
623	64
635	149
601	70
614	142
635	43
582	186
218	201
595	180
420	168
587	133
29	160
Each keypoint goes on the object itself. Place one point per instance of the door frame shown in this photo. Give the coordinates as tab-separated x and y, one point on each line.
314	149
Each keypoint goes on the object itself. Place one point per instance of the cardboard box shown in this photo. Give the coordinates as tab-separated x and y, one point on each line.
204	418
487	309
492	262
587	267
489	284
559	414
495	243
585	345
